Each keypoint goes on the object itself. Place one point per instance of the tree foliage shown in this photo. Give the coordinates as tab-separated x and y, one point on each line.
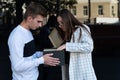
53	6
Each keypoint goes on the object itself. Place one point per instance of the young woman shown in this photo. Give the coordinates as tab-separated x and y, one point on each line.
79	43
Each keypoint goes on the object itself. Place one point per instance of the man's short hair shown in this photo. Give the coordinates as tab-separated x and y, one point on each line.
34	9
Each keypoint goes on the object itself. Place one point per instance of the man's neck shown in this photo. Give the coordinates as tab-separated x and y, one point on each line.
24	24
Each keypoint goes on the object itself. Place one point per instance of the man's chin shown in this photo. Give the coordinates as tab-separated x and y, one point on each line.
35	28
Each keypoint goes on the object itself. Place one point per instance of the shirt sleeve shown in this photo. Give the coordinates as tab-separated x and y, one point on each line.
20	63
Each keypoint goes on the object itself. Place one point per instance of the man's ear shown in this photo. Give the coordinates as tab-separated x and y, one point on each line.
29	18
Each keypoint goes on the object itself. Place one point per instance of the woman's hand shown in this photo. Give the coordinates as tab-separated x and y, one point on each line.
62	47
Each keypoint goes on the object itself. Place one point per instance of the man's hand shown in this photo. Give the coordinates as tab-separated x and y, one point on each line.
49	60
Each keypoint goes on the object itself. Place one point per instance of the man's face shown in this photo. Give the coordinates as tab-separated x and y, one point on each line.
36	22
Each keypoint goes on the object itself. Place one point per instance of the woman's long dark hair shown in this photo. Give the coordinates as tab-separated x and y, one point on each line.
70	23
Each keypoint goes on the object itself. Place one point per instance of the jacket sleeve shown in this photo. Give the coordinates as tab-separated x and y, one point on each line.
84	45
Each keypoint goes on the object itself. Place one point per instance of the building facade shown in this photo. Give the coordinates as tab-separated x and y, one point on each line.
93	9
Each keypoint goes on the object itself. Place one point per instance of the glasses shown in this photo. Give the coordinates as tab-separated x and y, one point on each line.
60	24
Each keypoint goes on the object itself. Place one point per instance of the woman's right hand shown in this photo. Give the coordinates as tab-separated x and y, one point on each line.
62	47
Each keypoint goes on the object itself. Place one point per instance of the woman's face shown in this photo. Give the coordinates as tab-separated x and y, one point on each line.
61	24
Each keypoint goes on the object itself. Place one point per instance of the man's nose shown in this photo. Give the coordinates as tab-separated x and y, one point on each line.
40	24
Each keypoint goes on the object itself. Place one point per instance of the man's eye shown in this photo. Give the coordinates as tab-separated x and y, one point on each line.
39	21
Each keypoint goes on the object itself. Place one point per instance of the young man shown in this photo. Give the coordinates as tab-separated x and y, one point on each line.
23	55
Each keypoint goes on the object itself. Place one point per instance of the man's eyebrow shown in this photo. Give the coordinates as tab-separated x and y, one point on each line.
39	21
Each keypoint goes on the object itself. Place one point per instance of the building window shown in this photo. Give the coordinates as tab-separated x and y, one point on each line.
113	11
85	10
100	10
